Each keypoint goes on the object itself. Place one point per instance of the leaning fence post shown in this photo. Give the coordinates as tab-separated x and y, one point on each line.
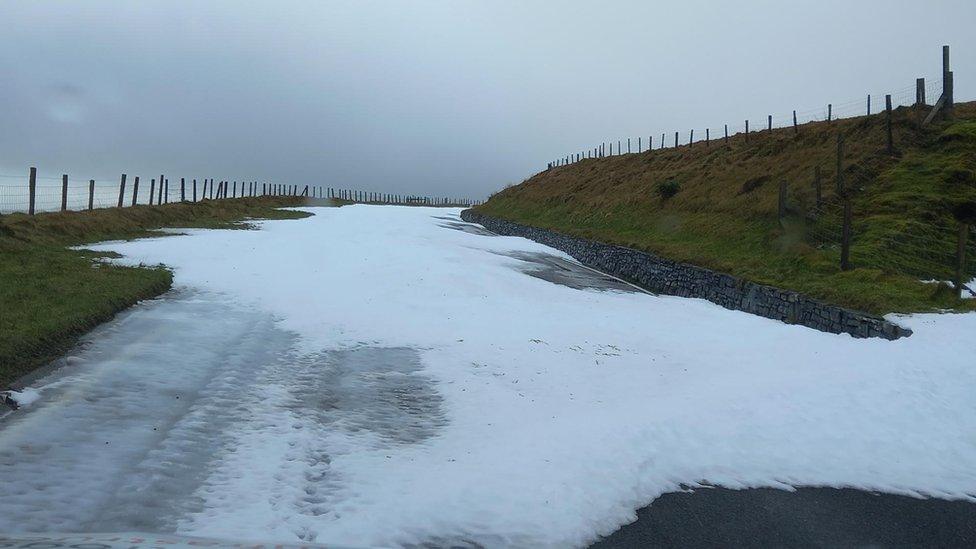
31	189
64	192
891	143
122	190
91	194
961	258
135	191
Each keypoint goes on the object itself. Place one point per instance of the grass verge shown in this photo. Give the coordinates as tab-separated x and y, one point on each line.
50	295
717	206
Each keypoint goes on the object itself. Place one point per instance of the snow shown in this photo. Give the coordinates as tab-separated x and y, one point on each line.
24	397
372	376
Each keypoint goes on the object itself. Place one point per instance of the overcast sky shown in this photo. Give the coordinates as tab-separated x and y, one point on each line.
443	98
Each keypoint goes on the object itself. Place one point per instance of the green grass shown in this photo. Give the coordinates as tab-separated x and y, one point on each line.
724	214
50	295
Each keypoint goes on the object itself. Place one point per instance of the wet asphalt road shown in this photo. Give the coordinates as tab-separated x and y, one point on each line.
808	517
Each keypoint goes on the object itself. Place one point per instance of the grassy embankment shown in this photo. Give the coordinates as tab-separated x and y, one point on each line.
724	214
50	295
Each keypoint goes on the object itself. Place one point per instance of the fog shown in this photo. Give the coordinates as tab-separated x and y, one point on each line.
440	98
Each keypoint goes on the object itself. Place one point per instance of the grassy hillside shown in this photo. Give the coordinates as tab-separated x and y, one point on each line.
723	214
50	295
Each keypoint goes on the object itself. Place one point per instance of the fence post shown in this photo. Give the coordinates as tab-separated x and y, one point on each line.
159	201
726	135
840	165
796	129
830	109
961	258
152	191
64	192
676	140
769	123
845	244
91	194
639	144
706	136
781	206
166	193
747	131
919	92
869	104
946	79
31	189
182	189
628	148
691	137
194	189
817	186
891	143
662	140
135	191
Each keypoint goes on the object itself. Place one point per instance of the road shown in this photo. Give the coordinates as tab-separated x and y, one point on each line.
394	376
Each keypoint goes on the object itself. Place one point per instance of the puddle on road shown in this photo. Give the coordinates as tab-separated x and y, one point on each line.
562	271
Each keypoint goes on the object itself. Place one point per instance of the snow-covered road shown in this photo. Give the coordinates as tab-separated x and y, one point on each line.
388	375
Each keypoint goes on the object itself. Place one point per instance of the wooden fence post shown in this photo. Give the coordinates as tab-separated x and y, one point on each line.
845	245
31	190
961	258
628	148
769	123
691	138
64	192
747	131
891	143
662	140
830	111
796	129
159	201
182	189
676	140
194	189
840	165
946	79
91	194
919	92
706	136
726	135
869	104
152	191
135	191
638	144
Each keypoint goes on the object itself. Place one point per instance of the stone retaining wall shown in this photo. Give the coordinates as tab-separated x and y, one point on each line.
663	276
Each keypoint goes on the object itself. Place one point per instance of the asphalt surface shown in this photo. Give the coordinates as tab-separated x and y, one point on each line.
808	517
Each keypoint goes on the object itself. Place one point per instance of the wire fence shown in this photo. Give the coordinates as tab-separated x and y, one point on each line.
867	104
32	193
